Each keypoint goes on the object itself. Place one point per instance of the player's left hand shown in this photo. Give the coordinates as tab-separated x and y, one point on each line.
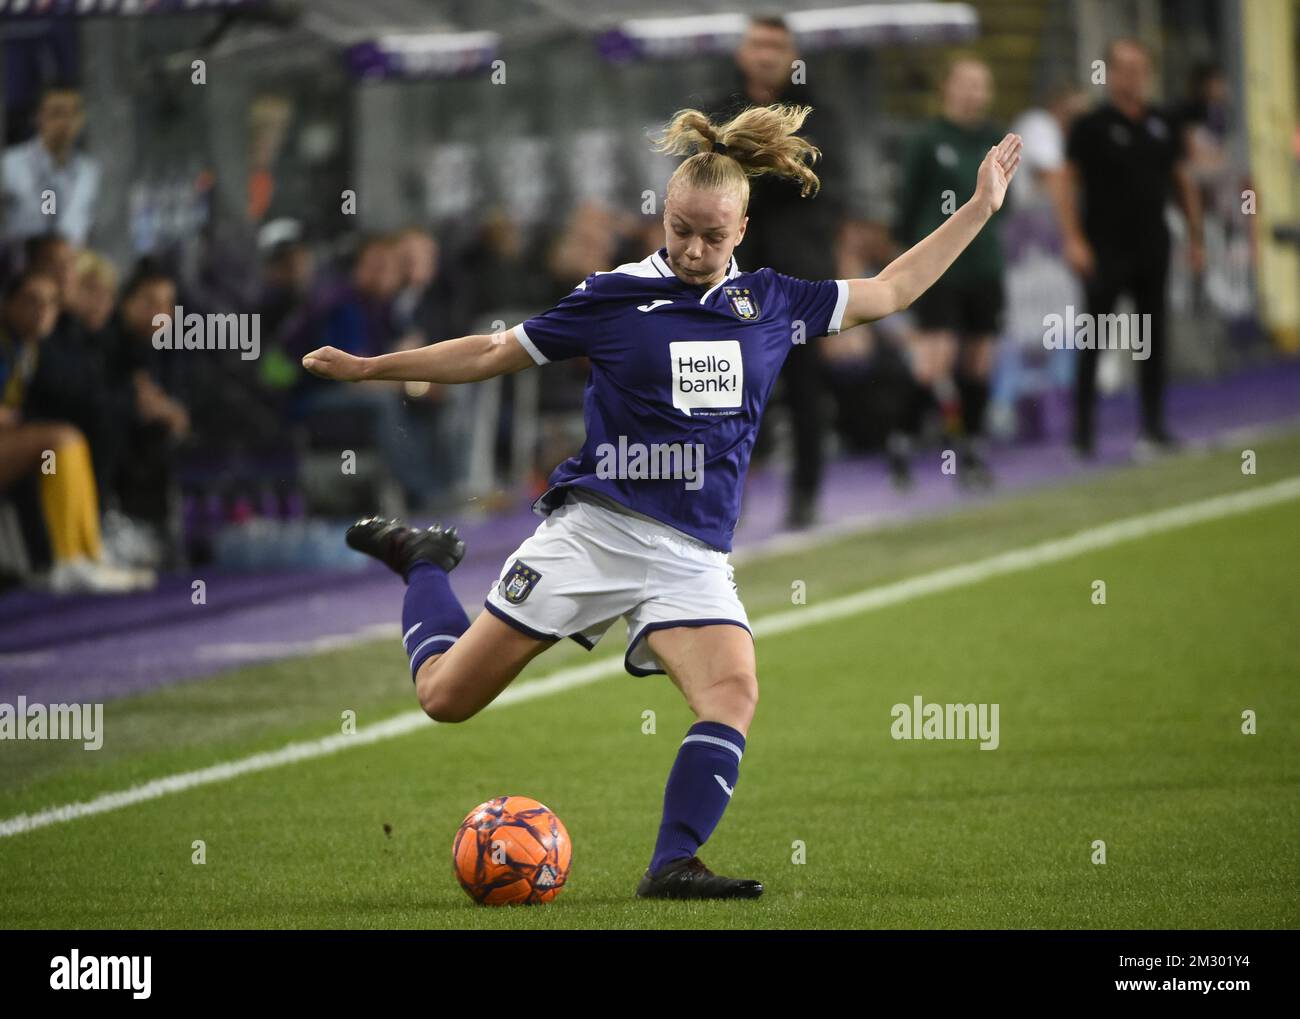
996	171
332	363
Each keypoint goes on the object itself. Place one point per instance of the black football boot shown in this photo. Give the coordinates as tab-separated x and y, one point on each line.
690	879
400	547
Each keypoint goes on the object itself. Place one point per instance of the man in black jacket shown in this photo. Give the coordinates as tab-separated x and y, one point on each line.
793	235
1125	160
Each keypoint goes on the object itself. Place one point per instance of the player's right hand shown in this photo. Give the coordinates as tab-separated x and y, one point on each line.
332	363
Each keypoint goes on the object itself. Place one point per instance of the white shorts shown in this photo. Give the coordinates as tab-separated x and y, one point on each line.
587	565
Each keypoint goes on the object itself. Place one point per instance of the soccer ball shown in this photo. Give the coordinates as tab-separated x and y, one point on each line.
511	850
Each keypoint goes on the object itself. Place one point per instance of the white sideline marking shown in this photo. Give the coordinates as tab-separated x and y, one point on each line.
789	543
287	648
28	659
567	679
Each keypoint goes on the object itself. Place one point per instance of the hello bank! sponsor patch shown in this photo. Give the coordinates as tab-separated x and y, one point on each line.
708	376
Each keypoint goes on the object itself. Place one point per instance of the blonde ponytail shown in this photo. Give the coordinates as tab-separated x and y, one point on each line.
758	140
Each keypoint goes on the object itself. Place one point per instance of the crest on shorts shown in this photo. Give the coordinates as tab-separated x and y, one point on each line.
742	301
518	584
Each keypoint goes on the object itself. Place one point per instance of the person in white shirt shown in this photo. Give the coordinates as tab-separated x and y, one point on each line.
50	163
1038	281
1043	133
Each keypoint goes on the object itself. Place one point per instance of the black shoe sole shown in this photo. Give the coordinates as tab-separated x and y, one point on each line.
680	895
674	884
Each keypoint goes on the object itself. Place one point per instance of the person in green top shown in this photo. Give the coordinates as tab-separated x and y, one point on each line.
959	317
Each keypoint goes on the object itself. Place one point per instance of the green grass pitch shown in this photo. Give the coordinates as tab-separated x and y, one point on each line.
1118	722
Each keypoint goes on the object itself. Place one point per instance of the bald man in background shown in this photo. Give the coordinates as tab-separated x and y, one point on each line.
1124	161
794	235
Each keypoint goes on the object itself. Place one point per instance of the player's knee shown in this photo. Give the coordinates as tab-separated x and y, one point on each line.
734	695
438	706
434	698
747	691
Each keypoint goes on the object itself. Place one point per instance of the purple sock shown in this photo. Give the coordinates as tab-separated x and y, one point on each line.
698	791
432	618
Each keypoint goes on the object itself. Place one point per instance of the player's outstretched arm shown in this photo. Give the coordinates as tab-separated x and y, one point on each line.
466	359
913	272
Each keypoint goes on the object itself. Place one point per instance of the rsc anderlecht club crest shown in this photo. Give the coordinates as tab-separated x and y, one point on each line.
742	302
518	584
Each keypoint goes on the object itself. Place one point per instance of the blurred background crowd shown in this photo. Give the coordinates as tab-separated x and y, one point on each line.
395	176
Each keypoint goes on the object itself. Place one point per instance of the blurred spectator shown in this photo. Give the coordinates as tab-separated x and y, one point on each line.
1208	105
1042	131
424	310
147	296
1126	160
149	417
499	270
588	242
55	256
501	278
1038	282
958	319
52	454
285	304
50	162
641	236
94	291
866	370
359	318
1206	120
287	276
69	381
793	235
99	371
1208	124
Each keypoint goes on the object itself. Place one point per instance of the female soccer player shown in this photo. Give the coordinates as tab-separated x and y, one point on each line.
684	350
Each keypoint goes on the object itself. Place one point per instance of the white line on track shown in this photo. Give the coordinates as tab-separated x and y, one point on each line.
866	600
293	648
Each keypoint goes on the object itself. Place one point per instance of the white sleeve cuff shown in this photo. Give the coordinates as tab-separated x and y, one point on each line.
528	345
841	302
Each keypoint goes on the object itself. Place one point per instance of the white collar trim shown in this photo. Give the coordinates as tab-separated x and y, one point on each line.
733	270
661	265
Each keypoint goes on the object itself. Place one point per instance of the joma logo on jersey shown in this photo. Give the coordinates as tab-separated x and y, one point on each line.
518	584
742	301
